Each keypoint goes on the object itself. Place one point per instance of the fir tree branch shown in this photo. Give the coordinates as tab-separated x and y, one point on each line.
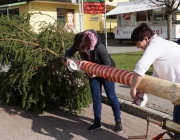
22	41
23	31
52	52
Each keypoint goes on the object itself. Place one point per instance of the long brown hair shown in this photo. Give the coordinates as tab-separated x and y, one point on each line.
82	41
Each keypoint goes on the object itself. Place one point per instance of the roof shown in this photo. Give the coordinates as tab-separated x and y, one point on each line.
3	2
70	1
128	7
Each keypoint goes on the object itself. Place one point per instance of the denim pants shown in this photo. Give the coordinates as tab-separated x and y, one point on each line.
96	90
176	117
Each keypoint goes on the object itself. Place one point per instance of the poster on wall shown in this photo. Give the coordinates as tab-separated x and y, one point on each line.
70	18
93	6
126	16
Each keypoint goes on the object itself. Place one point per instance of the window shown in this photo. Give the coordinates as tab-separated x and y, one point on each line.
61	15
66	16
150	15
11	13
158	17
141	16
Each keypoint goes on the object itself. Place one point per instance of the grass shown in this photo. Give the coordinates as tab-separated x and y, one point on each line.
127	61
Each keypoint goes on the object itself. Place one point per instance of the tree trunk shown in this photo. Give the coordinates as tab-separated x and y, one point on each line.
169	25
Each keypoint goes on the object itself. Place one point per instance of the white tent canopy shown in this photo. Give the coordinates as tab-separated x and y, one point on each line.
128	7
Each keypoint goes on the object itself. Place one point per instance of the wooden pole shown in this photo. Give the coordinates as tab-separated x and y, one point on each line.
152	85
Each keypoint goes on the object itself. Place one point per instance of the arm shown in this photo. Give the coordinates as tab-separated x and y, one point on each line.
136	79
151	54
69	53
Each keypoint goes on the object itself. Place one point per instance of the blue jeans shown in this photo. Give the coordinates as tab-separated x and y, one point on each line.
176	117
96	90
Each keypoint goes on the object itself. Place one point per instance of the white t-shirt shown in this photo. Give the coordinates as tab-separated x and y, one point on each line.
165	57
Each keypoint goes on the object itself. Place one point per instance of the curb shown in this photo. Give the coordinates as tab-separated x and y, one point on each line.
142	112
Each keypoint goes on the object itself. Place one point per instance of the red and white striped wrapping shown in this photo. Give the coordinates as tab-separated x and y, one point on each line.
107	72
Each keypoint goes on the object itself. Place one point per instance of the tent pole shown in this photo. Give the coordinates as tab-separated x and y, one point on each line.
82	11
105	23
80	15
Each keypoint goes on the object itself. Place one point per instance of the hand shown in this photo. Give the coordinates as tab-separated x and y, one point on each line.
133	93
68	61
91	75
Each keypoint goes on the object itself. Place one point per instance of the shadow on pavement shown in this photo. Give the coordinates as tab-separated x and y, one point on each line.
61	125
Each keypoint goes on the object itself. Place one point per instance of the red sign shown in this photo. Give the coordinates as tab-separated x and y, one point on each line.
127	16
94	7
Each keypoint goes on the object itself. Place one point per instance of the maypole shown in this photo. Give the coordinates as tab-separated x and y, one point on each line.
158	87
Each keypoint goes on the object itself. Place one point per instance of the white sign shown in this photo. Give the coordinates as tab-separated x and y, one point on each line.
125	32
94	18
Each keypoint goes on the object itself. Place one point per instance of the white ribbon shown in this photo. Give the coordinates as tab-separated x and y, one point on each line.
72	66
142	99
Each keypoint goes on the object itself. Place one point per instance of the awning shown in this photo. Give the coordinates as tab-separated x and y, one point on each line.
12	4
128	7
57	1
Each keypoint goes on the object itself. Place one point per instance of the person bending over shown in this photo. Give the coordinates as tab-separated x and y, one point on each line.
91	48
162	54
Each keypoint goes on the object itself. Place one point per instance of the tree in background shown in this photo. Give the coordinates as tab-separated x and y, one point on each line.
37	77
170	7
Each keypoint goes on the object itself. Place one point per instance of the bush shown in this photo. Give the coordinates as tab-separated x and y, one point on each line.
110	35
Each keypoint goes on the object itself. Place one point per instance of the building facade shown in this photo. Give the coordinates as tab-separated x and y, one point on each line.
67	11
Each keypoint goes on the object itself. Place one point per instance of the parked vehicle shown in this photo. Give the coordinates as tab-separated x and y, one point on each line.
131	14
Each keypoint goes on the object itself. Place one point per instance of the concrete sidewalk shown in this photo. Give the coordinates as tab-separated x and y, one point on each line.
57	124
126	46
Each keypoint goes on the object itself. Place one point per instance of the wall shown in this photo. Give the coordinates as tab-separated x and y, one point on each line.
114	2
95	24
24	9
51	10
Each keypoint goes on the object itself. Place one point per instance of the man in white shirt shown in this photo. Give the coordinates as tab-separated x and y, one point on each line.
163	54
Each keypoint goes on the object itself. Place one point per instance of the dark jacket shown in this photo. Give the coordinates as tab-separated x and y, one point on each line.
178	41
99	55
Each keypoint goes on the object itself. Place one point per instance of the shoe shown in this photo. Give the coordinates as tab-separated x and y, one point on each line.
95	126
118	127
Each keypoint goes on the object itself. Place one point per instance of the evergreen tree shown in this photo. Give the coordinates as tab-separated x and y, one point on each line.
37	77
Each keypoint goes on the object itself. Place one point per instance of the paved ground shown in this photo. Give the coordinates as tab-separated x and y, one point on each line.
17	124
126	46
59	125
